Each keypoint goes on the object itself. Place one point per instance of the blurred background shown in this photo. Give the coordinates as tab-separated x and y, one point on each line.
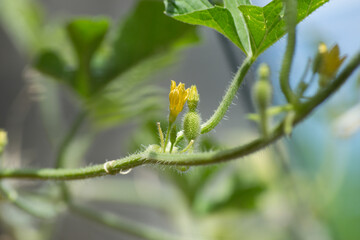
303	187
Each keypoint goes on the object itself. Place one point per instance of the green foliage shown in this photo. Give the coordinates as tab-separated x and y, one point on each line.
236	194
108	71
146	33
50	63
23	20
86	36
112	82
253	29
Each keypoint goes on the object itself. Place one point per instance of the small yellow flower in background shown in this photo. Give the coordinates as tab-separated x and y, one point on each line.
322	49
3	140
177	97
329	64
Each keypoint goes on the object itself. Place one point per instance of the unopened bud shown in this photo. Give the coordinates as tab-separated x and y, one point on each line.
319	57
262	90
264	71
3	140
193	98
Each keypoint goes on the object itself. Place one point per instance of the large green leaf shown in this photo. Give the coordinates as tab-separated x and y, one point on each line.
253	29
147	32
213	16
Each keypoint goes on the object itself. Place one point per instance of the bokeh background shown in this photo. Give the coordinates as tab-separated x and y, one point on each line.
304	187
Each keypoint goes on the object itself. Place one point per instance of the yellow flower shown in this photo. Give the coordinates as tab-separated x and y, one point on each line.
177	97
331	61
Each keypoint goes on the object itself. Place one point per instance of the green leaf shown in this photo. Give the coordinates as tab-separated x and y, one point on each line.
253	29
266	24
229	193
86	36
147	32
206	14
129	96
23	21
112	81
50	63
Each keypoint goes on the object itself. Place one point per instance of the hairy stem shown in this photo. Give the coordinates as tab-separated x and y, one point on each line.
228	97
224	105
188	159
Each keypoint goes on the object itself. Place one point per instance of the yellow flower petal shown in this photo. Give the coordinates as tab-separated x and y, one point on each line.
177	98
331	62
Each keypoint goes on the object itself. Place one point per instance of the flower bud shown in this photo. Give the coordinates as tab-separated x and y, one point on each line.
3	140
191	125
262	90
322	50
329	63
193	98
264	71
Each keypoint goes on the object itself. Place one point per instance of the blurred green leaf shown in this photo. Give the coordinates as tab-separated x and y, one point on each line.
243	197
253	29
147	32
50	63
86	36
113	84
230	192
129	96
23	20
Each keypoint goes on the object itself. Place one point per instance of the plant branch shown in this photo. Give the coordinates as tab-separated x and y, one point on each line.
12	196
224	105
228	97
119	223
60	160
290	16
149	157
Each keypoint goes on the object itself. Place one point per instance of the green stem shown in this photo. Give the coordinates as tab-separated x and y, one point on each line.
218	115
167	135
191	143
161	135
60	160
290	15
12	196
122	224
188	159
228	97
